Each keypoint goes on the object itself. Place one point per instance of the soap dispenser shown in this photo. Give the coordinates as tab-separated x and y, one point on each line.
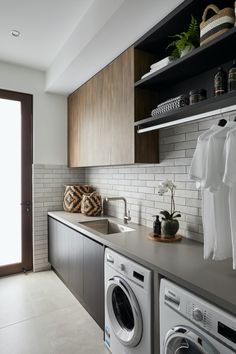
156	225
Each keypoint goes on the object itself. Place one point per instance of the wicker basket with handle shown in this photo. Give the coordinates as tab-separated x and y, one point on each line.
216	25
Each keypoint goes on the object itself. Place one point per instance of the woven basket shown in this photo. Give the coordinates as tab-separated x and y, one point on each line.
73	197
91	204
218	24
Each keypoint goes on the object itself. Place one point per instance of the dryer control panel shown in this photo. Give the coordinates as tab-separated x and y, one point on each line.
133	271
216	322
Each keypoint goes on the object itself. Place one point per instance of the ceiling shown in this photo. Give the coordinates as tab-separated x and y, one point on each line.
73	39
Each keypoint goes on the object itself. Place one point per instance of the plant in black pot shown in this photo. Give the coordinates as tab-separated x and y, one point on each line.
169	224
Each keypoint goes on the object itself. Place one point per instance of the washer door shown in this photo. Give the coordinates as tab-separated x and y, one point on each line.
124	312
183	340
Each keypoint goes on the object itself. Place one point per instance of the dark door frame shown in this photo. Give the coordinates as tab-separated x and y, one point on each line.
26	175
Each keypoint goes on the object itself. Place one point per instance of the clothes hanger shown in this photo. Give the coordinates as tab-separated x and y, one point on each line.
222	122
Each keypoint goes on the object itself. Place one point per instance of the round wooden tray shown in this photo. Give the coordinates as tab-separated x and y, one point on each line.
161	238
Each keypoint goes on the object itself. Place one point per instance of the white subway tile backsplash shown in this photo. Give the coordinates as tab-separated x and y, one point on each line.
186	145
177	146
137	183
172	154
172	139
175	169
192	136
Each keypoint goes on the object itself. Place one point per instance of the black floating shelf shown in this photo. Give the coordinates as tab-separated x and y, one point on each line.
208	105
203	58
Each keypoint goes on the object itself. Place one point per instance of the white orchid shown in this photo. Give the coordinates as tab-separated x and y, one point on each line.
163	188
169	184
166	186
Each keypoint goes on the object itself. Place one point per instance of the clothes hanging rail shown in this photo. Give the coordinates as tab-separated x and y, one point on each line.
196	117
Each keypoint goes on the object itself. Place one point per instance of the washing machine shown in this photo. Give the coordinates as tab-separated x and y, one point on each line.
127	305
189	324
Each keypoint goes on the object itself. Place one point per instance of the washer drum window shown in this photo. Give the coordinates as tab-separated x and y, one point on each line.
183	340
124	312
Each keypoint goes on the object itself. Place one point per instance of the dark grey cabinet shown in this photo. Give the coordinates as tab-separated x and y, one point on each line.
58	248
93	278
75	262
62	251
53	243
78	260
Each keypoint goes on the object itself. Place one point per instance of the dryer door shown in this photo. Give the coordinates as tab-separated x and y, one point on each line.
183	340
124	312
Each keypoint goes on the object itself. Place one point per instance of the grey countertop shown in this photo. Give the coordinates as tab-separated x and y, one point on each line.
181	262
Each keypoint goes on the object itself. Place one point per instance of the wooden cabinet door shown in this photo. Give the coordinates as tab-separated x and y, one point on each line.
120	94
94	280
76	263
101	117
88	125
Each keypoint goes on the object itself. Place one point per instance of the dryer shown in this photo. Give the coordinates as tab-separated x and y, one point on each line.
191	325
127	305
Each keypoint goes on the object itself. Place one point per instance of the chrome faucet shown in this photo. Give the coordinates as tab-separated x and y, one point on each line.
126	215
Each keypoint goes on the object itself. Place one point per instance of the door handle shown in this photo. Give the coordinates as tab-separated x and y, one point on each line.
27	206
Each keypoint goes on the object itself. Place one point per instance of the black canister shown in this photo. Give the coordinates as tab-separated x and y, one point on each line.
156	225
197	95
220	82
232	77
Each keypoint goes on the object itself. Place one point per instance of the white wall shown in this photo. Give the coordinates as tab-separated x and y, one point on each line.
49	113
101	36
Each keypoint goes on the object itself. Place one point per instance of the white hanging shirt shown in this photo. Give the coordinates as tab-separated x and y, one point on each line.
229	179
198	166
198	173
215	167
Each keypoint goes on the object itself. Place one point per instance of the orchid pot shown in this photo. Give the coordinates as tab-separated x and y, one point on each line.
169	225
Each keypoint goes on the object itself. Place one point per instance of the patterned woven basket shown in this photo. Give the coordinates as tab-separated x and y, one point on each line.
73	197
218	24
91	204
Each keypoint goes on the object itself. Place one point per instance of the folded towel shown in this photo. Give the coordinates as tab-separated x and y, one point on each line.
161	63
157	66
150	72
169	105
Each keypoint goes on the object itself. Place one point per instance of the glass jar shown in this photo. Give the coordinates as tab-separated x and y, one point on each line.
197	95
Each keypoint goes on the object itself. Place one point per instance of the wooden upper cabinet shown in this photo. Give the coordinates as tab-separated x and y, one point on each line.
101	118
121	99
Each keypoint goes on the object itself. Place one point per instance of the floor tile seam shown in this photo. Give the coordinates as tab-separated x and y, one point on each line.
35	317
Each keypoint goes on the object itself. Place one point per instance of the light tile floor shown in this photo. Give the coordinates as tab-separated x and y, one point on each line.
39	315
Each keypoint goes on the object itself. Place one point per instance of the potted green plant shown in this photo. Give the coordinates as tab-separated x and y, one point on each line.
185	41
170	224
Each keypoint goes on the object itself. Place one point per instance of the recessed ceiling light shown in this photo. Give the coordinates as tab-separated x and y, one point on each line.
15	33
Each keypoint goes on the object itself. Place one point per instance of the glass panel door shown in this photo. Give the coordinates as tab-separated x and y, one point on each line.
10	182
15	182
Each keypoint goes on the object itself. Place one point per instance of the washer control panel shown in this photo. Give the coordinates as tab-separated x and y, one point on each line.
203	314
197	315
129	269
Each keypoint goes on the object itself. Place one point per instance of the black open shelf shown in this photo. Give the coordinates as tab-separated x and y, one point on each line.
222	49
158	37
208	105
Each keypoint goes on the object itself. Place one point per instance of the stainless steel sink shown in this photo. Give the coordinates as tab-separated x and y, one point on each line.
106	227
